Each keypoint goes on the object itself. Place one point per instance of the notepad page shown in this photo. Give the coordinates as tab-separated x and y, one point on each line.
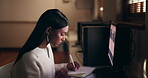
81	72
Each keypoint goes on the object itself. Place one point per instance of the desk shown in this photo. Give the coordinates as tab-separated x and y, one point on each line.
82	72
90	76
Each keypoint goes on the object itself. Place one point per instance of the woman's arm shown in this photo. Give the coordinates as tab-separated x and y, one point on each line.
60	66
30	66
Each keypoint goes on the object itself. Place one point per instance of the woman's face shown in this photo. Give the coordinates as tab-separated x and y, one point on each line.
57	36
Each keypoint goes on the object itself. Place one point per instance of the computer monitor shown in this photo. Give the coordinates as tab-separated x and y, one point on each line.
80	26
95	45
106	45
120	46
112	42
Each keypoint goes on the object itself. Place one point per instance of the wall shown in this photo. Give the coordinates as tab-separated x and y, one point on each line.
75	10
18	18
23	10
14	35
109	10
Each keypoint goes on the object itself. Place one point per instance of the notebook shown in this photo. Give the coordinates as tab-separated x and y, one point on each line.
83	71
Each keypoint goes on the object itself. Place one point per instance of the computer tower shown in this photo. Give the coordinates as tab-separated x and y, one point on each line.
123	47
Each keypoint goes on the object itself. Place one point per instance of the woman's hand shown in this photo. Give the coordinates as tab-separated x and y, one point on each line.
62	73
71	67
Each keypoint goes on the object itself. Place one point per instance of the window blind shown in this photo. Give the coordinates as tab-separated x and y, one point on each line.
137	6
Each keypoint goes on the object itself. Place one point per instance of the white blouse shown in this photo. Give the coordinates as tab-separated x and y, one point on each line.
38	63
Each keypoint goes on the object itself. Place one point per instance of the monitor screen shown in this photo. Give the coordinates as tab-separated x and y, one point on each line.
112	42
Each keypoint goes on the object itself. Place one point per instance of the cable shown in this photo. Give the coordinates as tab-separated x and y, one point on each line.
133	46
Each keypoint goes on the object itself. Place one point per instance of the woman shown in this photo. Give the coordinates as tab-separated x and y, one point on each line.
35	59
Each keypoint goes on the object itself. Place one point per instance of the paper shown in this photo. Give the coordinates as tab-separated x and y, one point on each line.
82	72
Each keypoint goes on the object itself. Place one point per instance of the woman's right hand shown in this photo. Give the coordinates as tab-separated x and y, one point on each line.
72	68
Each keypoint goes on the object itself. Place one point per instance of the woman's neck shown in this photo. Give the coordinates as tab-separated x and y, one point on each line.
43	44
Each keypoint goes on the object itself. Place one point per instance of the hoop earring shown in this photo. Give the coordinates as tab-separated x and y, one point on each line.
47	38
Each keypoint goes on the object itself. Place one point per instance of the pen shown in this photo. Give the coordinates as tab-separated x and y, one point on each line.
72	60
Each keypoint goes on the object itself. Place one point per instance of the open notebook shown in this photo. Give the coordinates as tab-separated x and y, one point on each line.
82	72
